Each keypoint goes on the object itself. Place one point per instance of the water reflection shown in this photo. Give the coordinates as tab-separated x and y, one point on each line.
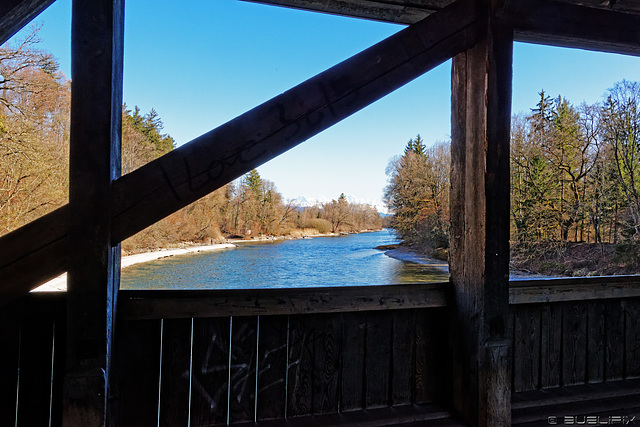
329	261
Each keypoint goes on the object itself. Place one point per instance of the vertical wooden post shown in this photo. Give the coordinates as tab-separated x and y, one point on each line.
481	115
94	266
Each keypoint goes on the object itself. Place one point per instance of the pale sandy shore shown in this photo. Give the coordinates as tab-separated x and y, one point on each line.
404	254
59	284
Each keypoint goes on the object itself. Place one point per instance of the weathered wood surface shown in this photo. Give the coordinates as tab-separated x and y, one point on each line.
210	161
404	12
562	344
176	372
244	353
210	373
212	303
15	14
272	365
36	353
9	363
30	372
41	243
479	210
352	378
97	38
617	399
378	367
573	289
242	369
570	25
585	24
138	352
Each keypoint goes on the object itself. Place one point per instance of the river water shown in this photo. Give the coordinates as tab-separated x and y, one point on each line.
321	261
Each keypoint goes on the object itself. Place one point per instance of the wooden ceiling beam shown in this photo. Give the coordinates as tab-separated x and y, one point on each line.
392	11
582	24
15	14
574	26
195	169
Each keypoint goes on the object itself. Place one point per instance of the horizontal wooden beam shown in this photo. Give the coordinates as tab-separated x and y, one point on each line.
193	170
574	26
211	303
573	289
250	302
583	24
397	12
15	14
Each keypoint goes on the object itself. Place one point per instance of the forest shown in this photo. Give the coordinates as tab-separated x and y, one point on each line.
34	166
575	186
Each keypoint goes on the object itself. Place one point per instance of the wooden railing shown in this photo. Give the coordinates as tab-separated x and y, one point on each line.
218	357
575	331
275	354
31	351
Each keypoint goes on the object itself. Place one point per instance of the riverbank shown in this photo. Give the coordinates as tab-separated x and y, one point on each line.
406	254
59	284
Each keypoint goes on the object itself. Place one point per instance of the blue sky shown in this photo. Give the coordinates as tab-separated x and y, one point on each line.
208	61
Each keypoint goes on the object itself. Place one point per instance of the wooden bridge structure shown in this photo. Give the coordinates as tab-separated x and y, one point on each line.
477	351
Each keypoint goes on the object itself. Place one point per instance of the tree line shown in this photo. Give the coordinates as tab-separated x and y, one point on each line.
575	175
34	166
252	207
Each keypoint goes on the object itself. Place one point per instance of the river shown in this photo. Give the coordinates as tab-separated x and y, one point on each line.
321	261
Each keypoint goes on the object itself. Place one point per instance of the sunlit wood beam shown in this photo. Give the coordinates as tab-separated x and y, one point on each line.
15	14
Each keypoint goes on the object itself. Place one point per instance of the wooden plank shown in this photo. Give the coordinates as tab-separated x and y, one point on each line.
57	387
422	385
42	243
300	366
574	344
551	346
326	363
407	415
210	378
615	340
435	379
403	356
632	338
573	289
10	336
272	367
233	302
569	25
353	350
15	14
210	161
244	349
175	372
93	278
34	397
406	13
479	210
596	325
526	348
139	352
378	359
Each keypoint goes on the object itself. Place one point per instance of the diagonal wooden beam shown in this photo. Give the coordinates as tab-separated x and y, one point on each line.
15	14
223	154
568	25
